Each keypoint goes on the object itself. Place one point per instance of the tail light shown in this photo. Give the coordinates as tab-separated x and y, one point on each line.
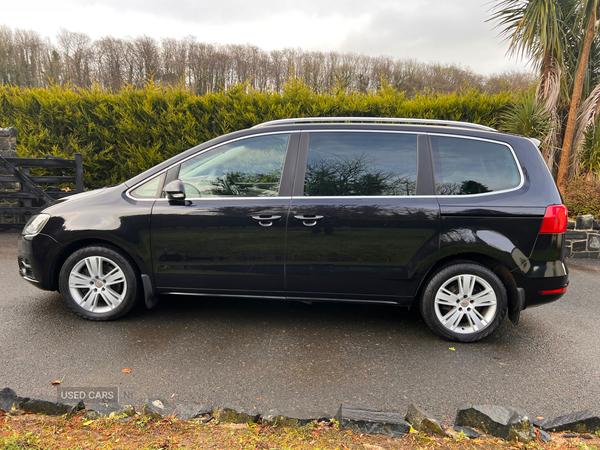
555	219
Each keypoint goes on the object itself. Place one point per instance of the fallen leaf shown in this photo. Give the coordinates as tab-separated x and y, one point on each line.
126	370
453	349
539	418
54	383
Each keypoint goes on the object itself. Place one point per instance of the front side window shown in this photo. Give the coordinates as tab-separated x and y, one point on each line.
361	164
246	168
469	166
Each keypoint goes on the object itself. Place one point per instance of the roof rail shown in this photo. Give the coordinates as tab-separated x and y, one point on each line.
451	123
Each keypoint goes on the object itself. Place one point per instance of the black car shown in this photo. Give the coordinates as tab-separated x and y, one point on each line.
457	219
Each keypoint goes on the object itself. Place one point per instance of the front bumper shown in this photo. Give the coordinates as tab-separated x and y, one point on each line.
36	259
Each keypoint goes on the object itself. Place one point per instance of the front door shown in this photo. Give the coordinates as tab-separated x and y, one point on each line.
229	235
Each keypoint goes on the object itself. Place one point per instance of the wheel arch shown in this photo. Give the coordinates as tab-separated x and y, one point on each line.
72	247
496	266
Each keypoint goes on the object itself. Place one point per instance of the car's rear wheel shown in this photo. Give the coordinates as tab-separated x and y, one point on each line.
99	283
464	302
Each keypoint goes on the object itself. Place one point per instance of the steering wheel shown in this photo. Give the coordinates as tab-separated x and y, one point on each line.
191	190
229	185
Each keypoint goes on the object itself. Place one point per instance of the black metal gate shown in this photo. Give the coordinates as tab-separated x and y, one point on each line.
30	196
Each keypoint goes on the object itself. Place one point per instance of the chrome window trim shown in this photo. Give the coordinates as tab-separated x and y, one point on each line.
365	196
474	138
127	193
227	198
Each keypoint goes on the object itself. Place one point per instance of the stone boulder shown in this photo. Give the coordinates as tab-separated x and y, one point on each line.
37	406
97	410
158	409
498	421
580	422
8	399
420	421
371	421
187	411
231	415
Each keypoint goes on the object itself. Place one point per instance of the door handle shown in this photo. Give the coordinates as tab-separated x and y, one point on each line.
308	220
266	221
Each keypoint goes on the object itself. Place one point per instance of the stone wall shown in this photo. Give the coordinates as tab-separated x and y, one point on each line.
583	238
8	149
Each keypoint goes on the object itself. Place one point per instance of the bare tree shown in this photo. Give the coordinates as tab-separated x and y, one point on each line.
76	52
27	59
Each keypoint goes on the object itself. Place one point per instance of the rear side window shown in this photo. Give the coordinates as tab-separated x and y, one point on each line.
469	166
361	164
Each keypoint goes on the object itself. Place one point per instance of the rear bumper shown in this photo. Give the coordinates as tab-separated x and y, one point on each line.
534	288
544	277
545	283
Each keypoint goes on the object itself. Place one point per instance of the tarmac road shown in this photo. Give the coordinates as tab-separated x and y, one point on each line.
303	359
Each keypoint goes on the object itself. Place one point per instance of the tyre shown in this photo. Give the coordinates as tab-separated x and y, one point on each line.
464	302
99	283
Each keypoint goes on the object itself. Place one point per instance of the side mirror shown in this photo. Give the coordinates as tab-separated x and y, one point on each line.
175	191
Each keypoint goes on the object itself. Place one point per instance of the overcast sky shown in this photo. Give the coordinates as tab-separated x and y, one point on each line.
446	31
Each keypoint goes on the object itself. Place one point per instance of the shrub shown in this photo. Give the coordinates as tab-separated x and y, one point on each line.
582	196
121	134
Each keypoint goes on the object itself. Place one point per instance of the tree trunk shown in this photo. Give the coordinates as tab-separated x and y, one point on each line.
565	158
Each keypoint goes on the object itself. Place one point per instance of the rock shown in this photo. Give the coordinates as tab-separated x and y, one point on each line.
8	132
498	421
230	415
586	436
158	409
98	410
570	435
277	418
8	399
590	255
579	246
544	436
186	411
371	421
580	422
575	235
596	225
570	225
585	222
469	432
49	408
421	422
594	242
274	418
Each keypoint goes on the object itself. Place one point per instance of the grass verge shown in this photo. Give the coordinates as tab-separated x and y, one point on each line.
29	431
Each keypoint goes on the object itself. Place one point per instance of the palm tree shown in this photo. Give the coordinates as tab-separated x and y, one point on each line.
589	18
536	30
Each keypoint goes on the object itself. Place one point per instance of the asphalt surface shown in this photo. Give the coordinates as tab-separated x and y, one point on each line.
303	359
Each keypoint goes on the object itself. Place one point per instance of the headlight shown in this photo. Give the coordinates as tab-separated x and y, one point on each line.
35	224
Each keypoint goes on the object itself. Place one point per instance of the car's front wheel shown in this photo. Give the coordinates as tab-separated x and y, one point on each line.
464	302
99	283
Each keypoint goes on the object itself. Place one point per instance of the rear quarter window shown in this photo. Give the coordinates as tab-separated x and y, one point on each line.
470	166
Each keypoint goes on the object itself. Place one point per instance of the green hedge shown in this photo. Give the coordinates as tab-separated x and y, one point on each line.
121	134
